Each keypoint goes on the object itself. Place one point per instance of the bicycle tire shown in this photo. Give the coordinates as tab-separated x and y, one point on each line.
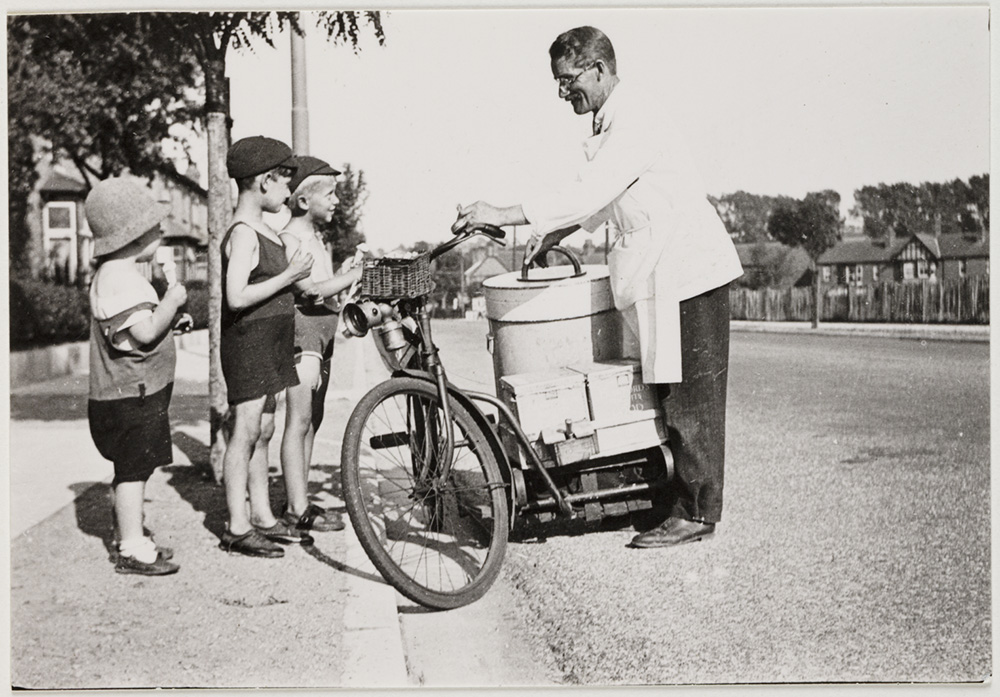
458	531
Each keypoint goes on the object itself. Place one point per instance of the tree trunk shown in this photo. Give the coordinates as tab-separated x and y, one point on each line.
817	298
219	214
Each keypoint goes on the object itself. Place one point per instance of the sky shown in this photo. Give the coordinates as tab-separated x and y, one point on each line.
460	105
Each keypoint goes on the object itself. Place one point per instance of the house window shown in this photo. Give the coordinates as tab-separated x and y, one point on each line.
874	274
924	268
826	274
60	220
60	217
909	271
963	267
853	275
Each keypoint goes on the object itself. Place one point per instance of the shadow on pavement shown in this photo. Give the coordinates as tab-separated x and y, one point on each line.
341	566
199	489
327	483
197	452
184	409
94	514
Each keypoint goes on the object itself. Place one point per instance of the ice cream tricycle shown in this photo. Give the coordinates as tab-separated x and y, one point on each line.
435	477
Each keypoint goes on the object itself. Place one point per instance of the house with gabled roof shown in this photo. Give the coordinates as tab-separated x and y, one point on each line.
58	223
859	261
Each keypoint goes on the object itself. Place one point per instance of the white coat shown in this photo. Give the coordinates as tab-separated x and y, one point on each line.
670	243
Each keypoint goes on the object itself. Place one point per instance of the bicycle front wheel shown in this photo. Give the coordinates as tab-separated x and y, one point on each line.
439	540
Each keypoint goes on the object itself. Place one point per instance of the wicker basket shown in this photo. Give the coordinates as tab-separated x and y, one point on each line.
396	278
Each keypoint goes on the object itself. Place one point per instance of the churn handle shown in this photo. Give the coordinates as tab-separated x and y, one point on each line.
577	269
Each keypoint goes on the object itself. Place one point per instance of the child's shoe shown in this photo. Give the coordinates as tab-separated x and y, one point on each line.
250	543
159	567
331	520
283	532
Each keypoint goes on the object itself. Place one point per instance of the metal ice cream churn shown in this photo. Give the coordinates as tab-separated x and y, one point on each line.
542	318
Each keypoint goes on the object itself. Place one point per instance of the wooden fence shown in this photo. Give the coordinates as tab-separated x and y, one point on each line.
963	301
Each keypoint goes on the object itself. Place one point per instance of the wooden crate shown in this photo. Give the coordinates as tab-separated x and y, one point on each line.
642	429
615	388
545	399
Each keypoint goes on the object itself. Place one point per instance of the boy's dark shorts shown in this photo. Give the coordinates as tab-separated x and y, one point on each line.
315	331
134	433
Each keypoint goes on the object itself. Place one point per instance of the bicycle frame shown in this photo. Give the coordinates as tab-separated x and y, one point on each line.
431	367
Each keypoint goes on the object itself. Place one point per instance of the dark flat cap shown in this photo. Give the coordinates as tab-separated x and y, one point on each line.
255	155
309	166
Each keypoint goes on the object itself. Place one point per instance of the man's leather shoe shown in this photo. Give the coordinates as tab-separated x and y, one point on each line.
674	531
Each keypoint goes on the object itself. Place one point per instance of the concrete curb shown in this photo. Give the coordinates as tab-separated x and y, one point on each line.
373	635
920	332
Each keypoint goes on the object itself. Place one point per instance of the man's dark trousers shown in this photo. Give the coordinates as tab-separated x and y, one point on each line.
695	409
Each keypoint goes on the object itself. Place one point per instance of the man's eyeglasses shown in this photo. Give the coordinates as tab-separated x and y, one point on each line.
567	81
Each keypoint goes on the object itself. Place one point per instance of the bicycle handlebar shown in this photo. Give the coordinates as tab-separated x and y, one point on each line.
495	233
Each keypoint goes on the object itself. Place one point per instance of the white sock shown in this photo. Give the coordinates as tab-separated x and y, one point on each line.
140	548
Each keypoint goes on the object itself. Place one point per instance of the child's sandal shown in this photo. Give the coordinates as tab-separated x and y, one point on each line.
332	521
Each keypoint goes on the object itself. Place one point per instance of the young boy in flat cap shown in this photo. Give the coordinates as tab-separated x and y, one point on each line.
132	361
312	203
258	338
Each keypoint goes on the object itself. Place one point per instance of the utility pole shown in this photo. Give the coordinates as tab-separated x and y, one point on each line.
513	249
300	108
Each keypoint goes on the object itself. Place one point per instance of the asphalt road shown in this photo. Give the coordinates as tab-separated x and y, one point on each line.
854	546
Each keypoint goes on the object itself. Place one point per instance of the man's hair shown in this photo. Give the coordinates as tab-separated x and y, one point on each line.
584	45
307	188
247	183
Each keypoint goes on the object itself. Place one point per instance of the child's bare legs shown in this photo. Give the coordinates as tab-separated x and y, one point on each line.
259	480
128	501
236	462
296	445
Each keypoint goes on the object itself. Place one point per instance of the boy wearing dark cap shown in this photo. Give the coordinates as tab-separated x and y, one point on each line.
132	361
258	336
312	203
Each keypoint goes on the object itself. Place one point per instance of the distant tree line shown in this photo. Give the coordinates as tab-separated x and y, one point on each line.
957	207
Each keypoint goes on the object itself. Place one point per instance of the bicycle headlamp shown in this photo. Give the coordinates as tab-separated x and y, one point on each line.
362	316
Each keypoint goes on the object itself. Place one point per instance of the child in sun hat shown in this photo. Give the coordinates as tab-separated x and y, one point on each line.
132	361
312	203
257	341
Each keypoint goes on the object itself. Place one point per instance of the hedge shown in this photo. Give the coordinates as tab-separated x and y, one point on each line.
43	313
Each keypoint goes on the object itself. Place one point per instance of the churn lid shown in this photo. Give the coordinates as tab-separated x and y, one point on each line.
550	294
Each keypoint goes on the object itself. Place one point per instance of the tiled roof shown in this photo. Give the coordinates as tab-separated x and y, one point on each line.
58	183
856	251
962	247
868	251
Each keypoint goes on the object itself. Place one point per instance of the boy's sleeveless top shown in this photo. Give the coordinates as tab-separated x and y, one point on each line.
271	261
118	368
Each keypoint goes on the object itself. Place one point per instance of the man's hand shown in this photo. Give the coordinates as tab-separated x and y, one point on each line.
538	245
482	213
478	213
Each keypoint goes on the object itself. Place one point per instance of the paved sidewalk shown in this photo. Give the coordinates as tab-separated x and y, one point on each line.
321	617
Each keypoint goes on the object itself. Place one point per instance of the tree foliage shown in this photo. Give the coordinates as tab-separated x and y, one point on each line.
814	223
98	90
746	215
343	234
903	208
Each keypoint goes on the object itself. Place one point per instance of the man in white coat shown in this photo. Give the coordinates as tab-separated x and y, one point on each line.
670	265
